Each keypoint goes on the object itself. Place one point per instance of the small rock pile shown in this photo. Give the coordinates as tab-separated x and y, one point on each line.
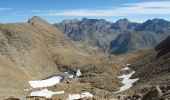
153	93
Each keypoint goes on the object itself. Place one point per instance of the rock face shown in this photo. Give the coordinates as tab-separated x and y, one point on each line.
130	41
105	34
35	50
164	47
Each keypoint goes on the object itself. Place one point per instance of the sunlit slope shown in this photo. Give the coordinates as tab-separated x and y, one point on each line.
36	50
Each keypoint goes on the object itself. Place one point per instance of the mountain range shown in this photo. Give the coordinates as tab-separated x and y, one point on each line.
117	38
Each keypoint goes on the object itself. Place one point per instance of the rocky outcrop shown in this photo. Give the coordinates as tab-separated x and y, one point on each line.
152	93
37	98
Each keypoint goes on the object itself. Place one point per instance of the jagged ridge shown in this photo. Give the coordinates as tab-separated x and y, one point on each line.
103	34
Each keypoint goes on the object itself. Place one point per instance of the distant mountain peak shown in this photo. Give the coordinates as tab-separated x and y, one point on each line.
123	24
124	20
84	19
155	25
156	20
70	21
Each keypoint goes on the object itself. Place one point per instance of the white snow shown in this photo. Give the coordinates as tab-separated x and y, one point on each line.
78	73
74	96
126	68
45	93
78	96
127	82
45	83
86	94
70	76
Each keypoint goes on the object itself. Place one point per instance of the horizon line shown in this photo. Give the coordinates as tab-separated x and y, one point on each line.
80	19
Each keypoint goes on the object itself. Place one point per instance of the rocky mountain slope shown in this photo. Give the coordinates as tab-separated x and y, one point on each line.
132	40
152	67
112	37
36	50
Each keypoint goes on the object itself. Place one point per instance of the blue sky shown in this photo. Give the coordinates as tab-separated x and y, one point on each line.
58	10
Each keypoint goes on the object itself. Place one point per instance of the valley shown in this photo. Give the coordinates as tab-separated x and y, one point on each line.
39	61
85	50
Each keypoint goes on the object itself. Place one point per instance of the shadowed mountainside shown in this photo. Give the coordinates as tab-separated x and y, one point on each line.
164	47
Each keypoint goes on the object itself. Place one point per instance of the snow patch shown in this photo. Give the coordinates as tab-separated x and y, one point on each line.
69	75
74	96
126	68
127	82
78	96
86	94
46	83
45	93
78	73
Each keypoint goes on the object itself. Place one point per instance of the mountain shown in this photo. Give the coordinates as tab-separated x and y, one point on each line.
131	41
155	25
105	35
124	24
36	50
93	31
